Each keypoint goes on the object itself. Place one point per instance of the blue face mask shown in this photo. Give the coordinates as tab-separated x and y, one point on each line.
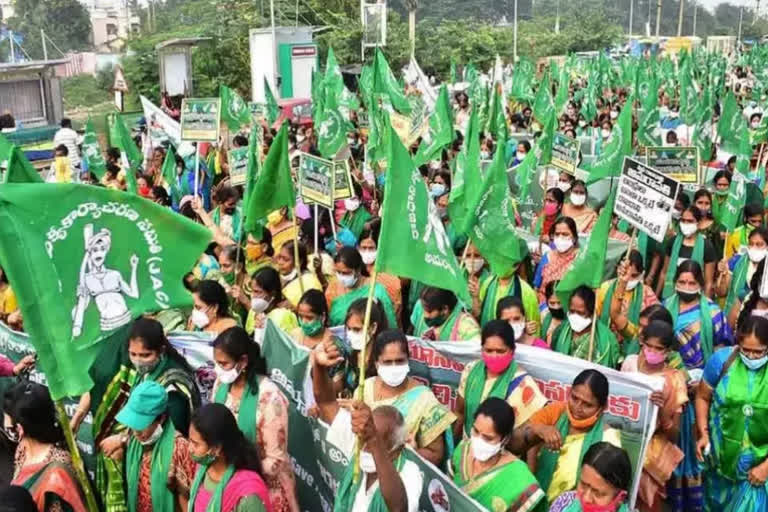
436	190
754	364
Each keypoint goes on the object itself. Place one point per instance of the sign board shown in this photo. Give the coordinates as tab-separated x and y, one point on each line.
646	198
200	119
342	180
315	180
120	84
374	18
258	111
238	166
565	153
679	163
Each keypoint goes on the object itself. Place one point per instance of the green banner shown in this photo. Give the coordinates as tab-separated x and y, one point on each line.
565	152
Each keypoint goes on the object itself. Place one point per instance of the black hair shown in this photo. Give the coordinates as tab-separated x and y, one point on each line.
663	331
581	184
753	297
371	230
694	268
684	199
571	227
315	299
756	326
240	140
558	194
385	338
508	302
30	405
433	298
15	498
213	294
218	428
501	413
233	253
721	174
161	196
152	336
378	316
761	231
236	343
226	192
268	280
697	214
446	177
265	238
549	289
302	266
66	122
656	312
113	153
586	294
351	258
501	329
636	260
611	463
597	384
526	144
61	148
752	209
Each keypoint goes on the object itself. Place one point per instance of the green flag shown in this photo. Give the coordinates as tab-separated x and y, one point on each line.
466	180
384	83
93	158
85	264
420	234
497	118
563	84
254	164
540	154
730	121
18	168
491	222
522	81
170	175
274	186
234	111
332	130
453	71
744	153
334	86
130	155
440	133
731	214
608	163
273	110
689	98
588	267
543	104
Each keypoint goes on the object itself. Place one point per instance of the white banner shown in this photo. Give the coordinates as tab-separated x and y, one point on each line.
160	126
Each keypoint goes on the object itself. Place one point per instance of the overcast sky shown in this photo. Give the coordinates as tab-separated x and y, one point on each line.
710	4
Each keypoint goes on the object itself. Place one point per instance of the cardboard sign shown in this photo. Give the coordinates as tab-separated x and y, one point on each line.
646	198
565	153
258	111
200	119
315	180
679	163
238	166
342	180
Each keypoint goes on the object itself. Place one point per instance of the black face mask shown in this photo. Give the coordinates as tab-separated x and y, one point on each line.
688	296
557	314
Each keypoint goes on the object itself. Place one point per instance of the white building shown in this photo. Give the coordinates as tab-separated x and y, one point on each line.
112	22
6	9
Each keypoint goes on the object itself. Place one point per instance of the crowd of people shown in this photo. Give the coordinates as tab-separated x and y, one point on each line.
690	310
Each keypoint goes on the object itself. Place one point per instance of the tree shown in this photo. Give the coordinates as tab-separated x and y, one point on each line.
66	22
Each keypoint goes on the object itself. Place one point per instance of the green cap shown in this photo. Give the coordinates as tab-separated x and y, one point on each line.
148	400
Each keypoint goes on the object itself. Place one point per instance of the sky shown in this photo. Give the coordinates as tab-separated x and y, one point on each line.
710	4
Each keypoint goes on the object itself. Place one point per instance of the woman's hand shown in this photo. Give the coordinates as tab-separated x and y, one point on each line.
327	354
622	271
657	399
112	445
474	285
702	447
27	362
758	474
531	328
550	436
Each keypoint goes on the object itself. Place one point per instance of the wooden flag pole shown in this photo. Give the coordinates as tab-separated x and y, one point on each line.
77	460
197	168
316	230
592	336
462	263
296	262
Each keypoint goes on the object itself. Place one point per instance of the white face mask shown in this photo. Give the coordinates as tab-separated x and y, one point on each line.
485	155
369	256
519	329
152	439
676	214
582	124
688	228
563	244
351	204
755	125
227	376
520	155
393	375
631	285
578	323
482	450
578	199
564	186
475	265
300	138
367	464
355	339
605	133
756	255
760	312
200	319
614	114
259	305
347	280
287	278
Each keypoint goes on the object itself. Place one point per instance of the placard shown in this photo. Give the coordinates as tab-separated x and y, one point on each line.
315	180
258	111
646	198
200	119
565	152
238	166
342	180
679	163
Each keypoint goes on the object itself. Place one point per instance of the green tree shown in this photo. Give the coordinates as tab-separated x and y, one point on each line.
66	23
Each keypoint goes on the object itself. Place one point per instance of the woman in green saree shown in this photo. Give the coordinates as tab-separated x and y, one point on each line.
150	357
487	472
351	283
573	337
735	278
355	217
439	316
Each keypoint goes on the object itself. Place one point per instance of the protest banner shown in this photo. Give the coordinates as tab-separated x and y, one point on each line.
238	165
342	180
402	126
200	119
646	198
679	163
315	180
565	152
160	125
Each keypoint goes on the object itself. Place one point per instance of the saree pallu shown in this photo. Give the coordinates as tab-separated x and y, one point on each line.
684	490
340	298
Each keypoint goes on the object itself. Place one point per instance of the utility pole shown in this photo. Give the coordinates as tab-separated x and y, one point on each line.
658	17
695	12
557	17
45	46
514	36
680	19
13	50
631	11
741	18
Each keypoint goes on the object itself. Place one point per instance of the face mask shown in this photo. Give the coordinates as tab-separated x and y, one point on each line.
227	376
653	357
579	323
760	312
687	296
564	186
614	114
367	464
550	209
152	439
259	305
442	212
610	507
393	375
563	244
485	155
674	115
605	133
753	364
676	214
435	164
475	265
355	339
200	319
144	191
436	190
253	252
578	199
287	278
368	256
557	313
312	328
520	156
688	228
351	204
631	285
755	124
434	321
756	255
347	280
300	138
721	192
582	124
204	460
144	368
351	141
482	450
275	218
519	328
497	364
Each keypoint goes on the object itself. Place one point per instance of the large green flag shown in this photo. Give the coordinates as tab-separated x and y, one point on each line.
731	214
608	163
522	81
543	105
273	110
744	153
254	164
86	261
563	84
540	154
129	154
17	168
332	129
440	133
234	111
689	98
384	83
491	221
588	267
466	180
420	233
93	158
497	118
171	176
730	121
274	186
334	86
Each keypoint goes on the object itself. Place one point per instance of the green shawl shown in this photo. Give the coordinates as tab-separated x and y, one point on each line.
249	403
707	333
420	327
215	504
162	451
348	489
237	221
738	281
635	305
490	288
340	304
547	459
697	255
473	393
606	348
355	221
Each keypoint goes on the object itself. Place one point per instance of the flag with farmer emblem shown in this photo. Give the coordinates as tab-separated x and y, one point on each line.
93	158
730	215
332	129
689	97
273	110
86	261
466	179
440	133
543	105
420	234
384	83
334	86
234	111
609	162
731	120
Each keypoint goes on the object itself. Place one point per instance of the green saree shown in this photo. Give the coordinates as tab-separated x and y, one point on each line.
340	304
605	350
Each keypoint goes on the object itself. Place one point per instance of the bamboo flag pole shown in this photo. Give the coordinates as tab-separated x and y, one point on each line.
462	263
77	460
592	336
297	264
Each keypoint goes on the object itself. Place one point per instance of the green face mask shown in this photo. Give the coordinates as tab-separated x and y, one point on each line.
312	328
204	460
435	320
722	193
229	278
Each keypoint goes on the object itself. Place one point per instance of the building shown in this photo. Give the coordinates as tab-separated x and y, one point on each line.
112	22
6	9
31	91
